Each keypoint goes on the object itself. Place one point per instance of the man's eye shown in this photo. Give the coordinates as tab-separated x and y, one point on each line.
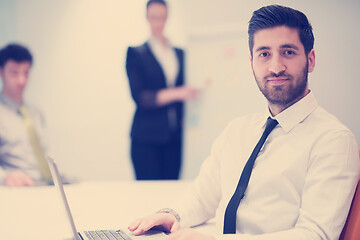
289	52
264	54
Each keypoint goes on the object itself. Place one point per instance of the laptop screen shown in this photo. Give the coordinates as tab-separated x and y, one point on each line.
57	181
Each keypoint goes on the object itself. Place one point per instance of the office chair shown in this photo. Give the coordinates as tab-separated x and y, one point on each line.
351	230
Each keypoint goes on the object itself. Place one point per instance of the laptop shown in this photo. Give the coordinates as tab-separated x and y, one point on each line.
98	234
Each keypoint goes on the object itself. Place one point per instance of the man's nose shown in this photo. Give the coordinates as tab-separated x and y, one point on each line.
22	79
277	64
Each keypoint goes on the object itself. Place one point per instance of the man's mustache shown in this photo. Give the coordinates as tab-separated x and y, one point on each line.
280	74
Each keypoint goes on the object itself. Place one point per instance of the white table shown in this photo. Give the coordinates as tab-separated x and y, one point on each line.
38	212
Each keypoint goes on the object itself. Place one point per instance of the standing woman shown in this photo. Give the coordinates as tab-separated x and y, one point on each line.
156	75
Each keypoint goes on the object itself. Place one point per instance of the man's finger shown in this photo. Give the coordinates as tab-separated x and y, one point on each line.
135	224
175	227
27	181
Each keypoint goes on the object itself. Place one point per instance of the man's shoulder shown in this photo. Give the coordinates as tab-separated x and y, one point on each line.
325	129
34	109
2	105
327	120
5	109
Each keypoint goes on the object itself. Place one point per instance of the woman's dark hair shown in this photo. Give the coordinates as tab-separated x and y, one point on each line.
276	15
155	1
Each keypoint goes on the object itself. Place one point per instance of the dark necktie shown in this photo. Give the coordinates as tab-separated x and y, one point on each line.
231	209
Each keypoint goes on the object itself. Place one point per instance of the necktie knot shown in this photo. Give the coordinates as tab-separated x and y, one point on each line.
270	124
23	111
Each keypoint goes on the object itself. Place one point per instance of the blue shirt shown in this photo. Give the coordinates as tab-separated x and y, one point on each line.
16	152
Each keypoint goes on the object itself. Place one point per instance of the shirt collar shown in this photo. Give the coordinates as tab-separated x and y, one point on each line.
9	103
296	113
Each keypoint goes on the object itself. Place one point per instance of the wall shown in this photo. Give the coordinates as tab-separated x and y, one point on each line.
7	23
79	78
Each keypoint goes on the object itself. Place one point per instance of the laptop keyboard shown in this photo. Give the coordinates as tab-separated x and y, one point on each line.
107	235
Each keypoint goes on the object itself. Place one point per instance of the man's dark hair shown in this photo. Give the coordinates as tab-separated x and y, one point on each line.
15	52
276	15
155	1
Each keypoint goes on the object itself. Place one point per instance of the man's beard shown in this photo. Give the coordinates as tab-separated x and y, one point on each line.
284	95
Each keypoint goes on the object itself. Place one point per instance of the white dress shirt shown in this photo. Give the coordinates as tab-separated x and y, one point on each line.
301	185
16	152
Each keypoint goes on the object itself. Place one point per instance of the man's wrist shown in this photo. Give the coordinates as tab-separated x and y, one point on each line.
171	211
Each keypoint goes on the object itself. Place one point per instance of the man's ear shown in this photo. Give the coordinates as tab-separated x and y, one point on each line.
251	62
311	60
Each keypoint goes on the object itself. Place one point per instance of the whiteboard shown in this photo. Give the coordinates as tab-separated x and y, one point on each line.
217	62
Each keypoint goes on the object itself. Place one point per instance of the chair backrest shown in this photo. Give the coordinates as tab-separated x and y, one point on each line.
351	229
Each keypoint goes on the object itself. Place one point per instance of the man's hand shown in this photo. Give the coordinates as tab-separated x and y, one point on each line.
18	179
164	220
188	234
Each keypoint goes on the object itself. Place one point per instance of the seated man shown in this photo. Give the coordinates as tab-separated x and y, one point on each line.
22	135
299	180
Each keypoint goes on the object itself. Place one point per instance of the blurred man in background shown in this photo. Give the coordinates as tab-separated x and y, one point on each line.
22	137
